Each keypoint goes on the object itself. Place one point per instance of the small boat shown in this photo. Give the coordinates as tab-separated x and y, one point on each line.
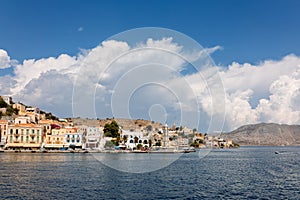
276	152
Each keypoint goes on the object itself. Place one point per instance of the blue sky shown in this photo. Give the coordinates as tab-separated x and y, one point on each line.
249	31
255	45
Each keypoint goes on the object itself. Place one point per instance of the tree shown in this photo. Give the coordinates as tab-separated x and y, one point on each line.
158	143
125	138
3	104
149	128
111	130
136	139
9	111
139	146
109	144
150	143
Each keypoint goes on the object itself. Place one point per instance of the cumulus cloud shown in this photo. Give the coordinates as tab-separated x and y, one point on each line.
268	92
120	80
5	61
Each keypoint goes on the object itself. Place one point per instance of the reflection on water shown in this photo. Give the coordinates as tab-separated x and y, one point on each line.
137	162
244	173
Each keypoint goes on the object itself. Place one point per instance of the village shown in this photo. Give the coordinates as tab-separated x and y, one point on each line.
28	129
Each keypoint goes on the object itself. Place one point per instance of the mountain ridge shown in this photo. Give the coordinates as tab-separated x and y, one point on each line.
265	134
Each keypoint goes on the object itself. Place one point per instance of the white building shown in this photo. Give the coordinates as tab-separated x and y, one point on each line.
134	138
165	139
73	140
92	138
22	120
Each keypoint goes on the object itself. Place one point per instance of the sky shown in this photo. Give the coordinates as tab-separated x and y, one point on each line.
255	46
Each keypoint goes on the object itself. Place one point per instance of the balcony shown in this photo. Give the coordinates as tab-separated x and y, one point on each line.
16	141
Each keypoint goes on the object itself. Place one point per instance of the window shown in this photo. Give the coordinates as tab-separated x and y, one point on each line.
11	131
10	139
22	138
38	139
26	138
38	132
17	131
27	131
32	131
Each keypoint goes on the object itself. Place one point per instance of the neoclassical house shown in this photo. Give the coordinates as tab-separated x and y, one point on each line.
92	138
24	136
132	139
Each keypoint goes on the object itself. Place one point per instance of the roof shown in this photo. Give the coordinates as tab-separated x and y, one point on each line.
26	125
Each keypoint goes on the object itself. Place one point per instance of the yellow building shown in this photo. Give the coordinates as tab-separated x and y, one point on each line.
24	136
57	139
20	107
47	125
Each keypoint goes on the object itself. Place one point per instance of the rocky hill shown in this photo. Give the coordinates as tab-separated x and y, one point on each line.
126	124
265	134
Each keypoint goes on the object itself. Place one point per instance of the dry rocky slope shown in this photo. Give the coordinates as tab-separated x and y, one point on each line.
265	134
126	124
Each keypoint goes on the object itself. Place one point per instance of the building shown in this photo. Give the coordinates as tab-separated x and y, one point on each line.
74	140
92	138
56	139
165	138
24	136
46	123
62	138
21	108
22	120
3	132
132	139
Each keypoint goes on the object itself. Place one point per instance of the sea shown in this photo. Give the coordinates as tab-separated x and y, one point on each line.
242	173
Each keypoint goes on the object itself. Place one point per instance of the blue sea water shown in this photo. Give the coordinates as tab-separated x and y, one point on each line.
244	173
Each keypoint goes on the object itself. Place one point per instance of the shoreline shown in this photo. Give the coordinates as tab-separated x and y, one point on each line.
98	151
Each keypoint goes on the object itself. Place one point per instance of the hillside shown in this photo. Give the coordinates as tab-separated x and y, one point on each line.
126	124
265	134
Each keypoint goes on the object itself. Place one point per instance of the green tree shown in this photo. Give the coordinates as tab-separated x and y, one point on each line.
3	104
149	128
9	111
139	146
150	142
136	139
109	144
111	130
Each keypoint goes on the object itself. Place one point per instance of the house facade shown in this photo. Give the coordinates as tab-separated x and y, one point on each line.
24	136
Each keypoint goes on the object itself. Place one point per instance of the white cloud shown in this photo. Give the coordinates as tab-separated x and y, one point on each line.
268	92
33	69
5	61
